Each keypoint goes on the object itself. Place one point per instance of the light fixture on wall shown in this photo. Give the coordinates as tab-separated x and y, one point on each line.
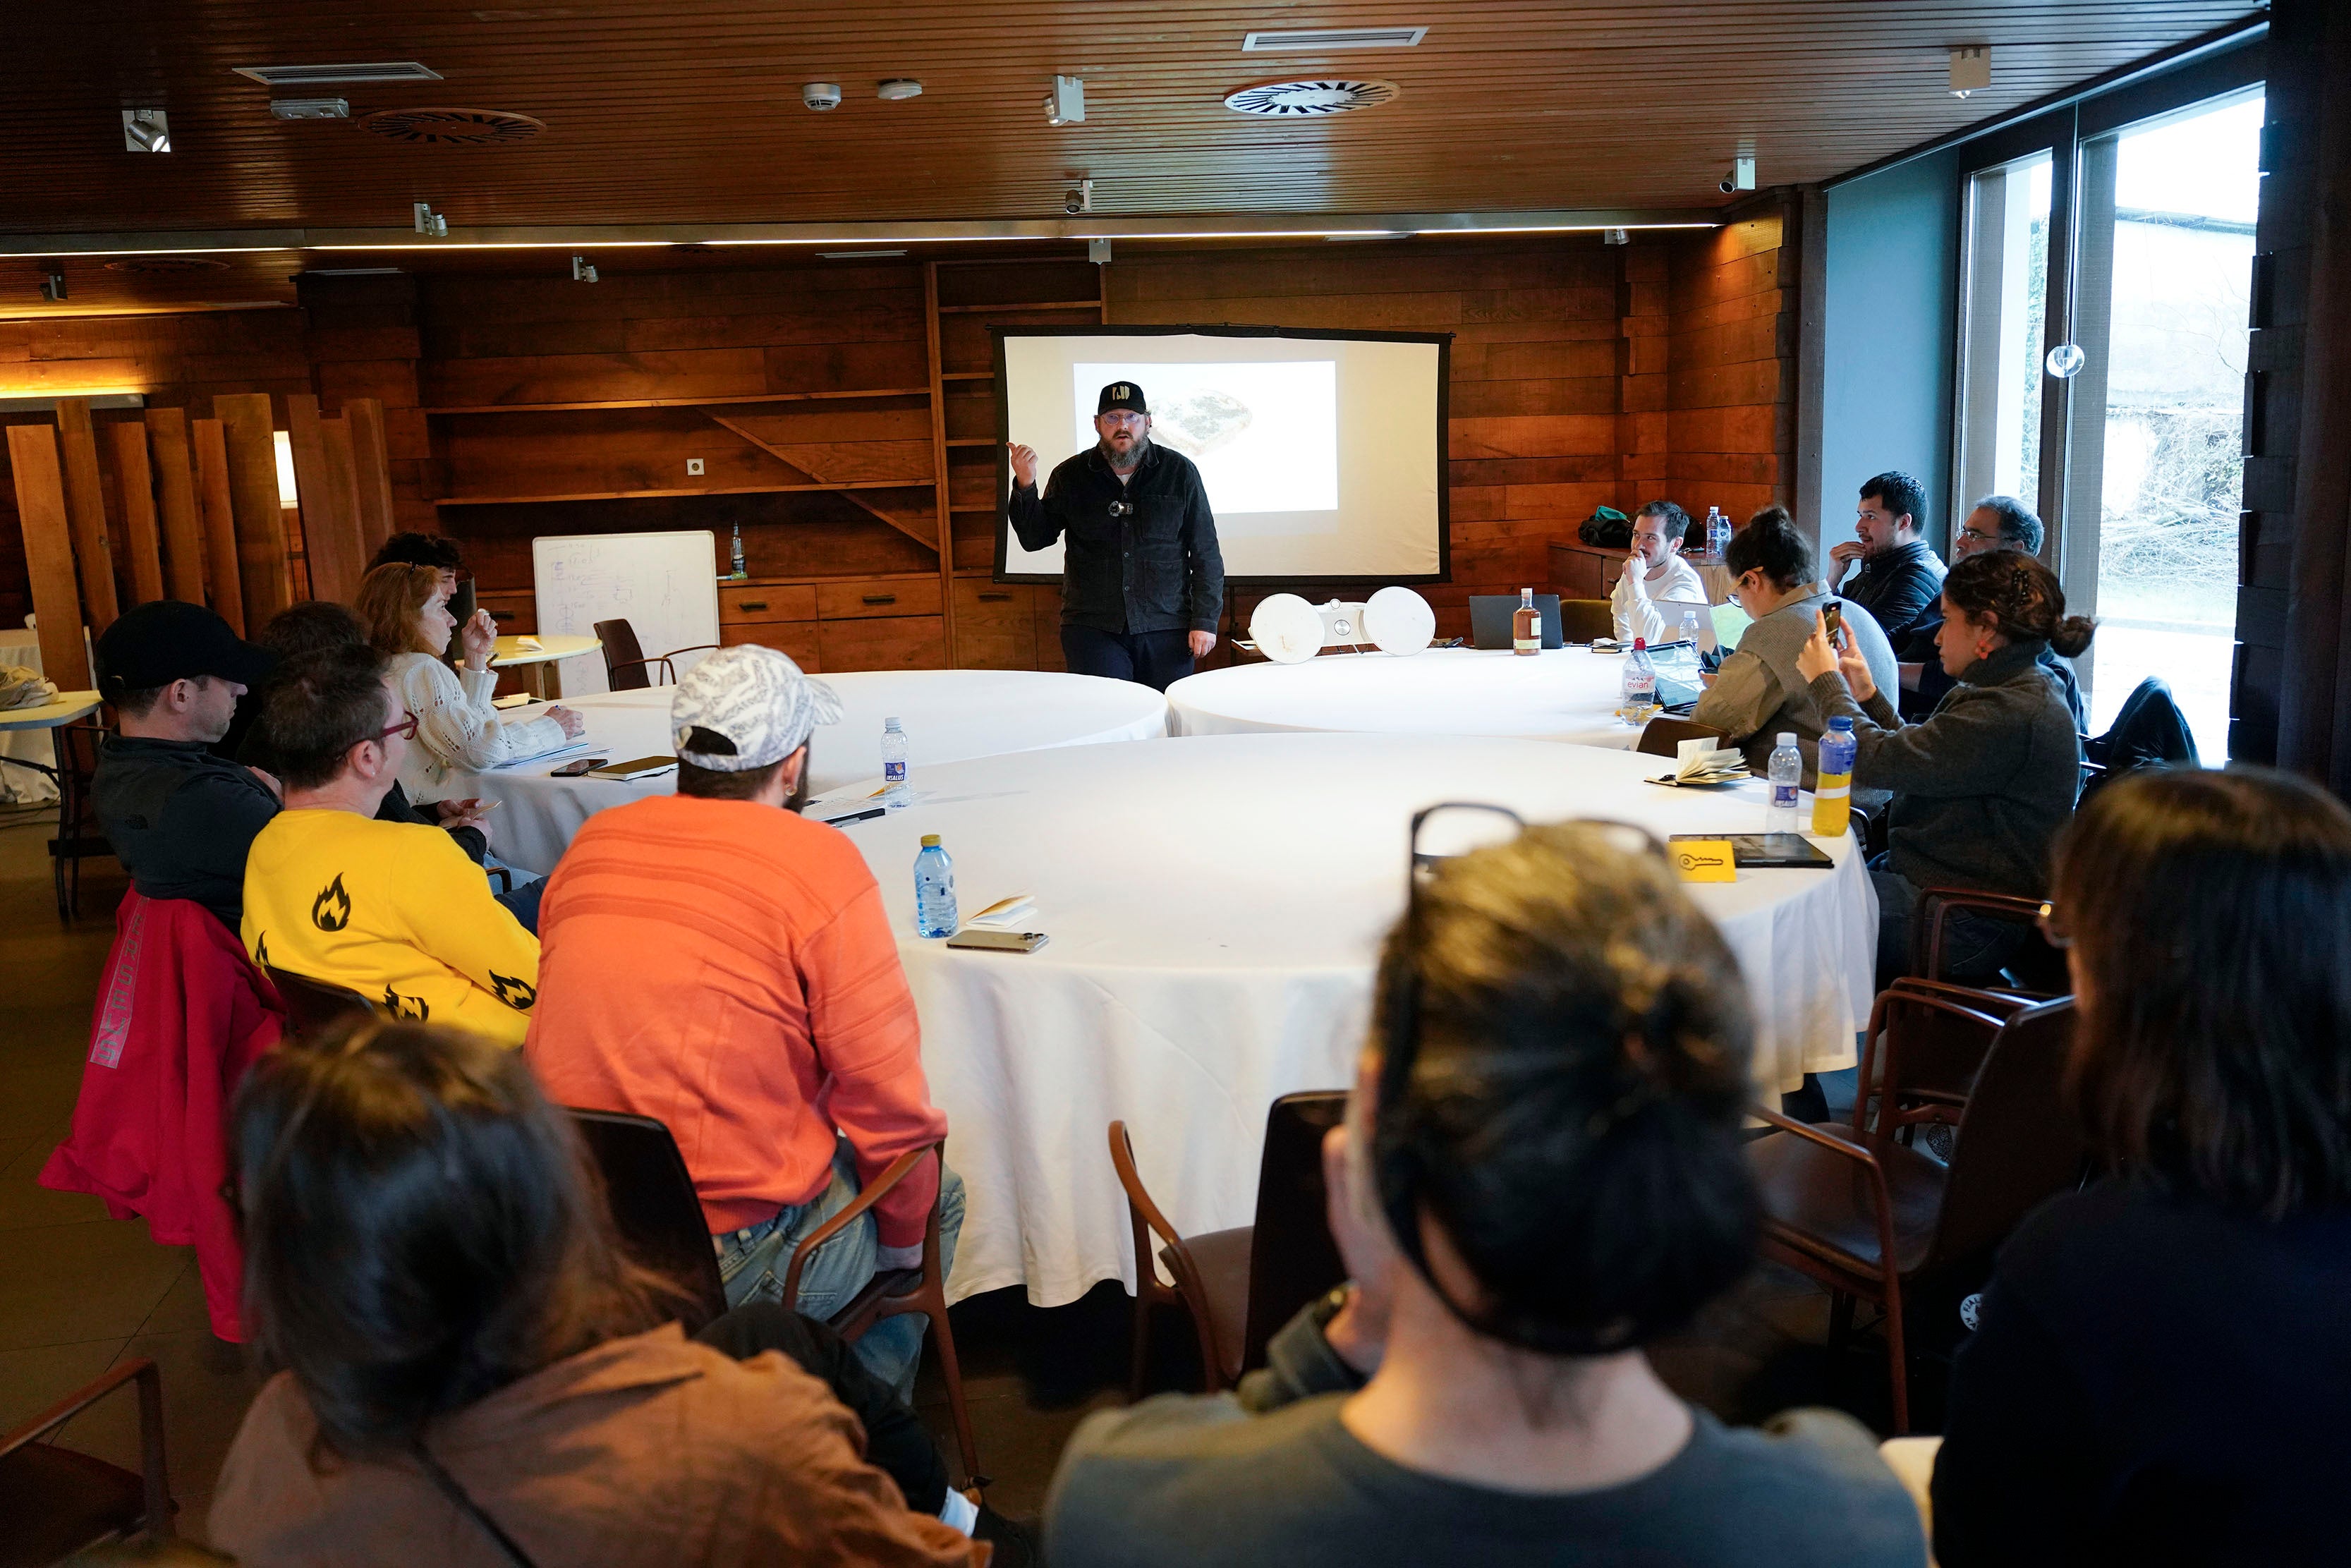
53	282
431	222
1970	69
146	130
1742	176
1615	237
583	271
1066	104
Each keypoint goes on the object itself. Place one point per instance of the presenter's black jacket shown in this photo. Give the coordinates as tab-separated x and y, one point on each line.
1157	568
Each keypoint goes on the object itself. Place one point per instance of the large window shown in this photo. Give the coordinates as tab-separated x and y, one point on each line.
2127	231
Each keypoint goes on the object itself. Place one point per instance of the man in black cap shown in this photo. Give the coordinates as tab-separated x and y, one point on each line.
1142	584
180	819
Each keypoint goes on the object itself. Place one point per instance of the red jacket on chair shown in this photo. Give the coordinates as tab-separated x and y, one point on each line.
181	1013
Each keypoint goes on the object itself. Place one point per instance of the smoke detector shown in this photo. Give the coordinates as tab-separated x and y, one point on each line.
454	127
1296	100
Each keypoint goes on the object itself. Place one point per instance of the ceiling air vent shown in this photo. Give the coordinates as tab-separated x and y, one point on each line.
454	127
336	76
1316	38
1302	99
167	265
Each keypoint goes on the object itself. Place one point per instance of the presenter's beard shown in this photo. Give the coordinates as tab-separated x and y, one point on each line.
1132	461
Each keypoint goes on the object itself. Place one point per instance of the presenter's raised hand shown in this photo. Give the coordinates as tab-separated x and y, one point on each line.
1203	644
1024	464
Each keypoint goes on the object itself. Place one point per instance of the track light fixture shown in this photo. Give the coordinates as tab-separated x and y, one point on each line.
1081	198
583	271
146	130
431	222
1066	104
53	283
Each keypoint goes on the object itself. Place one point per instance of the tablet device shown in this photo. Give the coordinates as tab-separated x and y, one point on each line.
1792	851
639	768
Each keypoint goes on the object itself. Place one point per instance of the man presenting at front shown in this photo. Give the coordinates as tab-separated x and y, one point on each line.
1142	581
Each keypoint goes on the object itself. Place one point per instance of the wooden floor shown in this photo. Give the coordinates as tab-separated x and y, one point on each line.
79	1292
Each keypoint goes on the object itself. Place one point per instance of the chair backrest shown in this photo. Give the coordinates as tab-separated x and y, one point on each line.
654	1206
1585	620
1925	1045
1663	736
624	659
1293	1258
462	606
2016	1143
313	1005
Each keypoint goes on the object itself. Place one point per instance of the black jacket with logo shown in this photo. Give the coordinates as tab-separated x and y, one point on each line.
1156	569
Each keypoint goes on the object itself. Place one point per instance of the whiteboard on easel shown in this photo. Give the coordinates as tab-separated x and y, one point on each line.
665	585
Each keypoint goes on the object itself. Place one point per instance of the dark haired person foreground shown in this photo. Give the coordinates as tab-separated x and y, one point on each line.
392	910
1758	694
1981	786
2162	1374
179	816
477	1385
717	962
1540	1172
1900	573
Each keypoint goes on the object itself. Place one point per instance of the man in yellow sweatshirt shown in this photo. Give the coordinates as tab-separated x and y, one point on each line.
393	910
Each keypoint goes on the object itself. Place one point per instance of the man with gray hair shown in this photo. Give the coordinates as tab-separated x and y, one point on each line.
717	962
1996	522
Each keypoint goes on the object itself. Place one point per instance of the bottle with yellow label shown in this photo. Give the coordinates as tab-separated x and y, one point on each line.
1832	786
1526	624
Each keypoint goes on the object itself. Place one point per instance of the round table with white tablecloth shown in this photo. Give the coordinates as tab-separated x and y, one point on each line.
949	714
1561	694
1215	907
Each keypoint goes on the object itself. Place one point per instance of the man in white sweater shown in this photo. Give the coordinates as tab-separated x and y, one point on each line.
1655	570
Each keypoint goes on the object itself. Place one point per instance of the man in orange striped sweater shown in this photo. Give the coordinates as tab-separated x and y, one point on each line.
713	960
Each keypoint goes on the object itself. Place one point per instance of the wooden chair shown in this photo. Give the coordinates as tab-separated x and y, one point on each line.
896	1292
626	668
78	836
2038	969
1582	619
58	1503
313	1005
1868	1215
1239	1286
1662	736
654	1206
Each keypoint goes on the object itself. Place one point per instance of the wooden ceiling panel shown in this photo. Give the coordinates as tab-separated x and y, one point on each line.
688	111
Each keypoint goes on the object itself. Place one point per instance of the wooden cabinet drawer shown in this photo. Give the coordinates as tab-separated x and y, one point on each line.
516	613
885	597
985	648
994	606
774	601
797	638
883	643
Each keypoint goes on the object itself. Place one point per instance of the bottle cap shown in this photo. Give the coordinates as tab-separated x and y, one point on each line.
930	840
1841	722
890	724
1640	645
1787	738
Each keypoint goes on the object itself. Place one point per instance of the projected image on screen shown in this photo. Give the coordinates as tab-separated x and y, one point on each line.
1266	436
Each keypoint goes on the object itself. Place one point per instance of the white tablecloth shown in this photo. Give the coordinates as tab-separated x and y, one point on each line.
1216	906
949	716
1561	694
25	786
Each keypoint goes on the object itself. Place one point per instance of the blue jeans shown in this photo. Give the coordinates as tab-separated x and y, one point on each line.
1975	947
752	1263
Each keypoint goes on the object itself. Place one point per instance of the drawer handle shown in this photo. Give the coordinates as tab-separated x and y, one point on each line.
994	598
881	599
750	604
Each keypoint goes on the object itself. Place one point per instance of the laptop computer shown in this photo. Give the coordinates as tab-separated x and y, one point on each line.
1673	610
1490	619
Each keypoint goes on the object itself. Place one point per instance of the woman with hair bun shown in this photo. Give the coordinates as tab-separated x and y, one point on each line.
1982	784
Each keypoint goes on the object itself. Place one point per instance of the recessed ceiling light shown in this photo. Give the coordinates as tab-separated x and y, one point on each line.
1324	38
898	90
335	76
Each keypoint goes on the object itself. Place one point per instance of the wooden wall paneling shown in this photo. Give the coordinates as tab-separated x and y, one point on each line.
134	483
249	439
41	515
942	504
370	470
86	506
219	511
330	501
175	497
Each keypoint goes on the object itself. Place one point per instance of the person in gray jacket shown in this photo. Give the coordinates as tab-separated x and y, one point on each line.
1758	694
1541	1170
1982	784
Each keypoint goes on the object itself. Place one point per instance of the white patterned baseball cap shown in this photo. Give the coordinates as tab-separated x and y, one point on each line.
745	707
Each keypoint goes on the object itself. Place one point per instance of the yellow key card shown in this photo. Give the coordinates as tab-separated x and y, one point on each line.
1702	860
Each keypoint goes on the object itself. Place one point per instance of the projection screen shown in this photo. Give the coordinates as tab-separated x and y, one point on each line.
1323	453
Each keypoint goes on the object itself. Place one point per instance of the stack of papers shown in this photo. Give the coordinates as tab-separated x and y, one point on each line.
1699	762
1006	913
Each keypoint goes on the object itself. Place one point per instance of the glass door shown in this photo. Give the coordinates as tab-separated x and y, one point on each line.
2003	305
2154	468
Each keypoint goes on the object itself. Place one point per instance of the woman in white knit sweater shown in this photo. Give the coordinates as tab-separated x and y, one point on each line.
406	612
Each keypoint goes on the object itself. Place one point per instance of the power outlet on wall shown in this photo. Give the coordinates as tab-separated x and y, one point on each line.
692	467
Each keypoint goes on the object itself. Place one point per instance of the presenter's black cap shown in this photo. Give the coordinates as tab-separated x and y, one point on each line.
167	641
1122	394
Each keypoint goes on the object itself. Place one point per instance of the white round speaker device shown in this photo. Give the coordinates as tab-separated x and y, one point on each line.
1286	629
1399	622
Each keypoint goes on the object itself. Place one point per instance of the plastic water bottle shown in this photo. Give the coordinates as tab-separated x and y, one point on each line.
1721	536
894	793
1787	770
735	555
1689	627
935	895
1832	791
1640	702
